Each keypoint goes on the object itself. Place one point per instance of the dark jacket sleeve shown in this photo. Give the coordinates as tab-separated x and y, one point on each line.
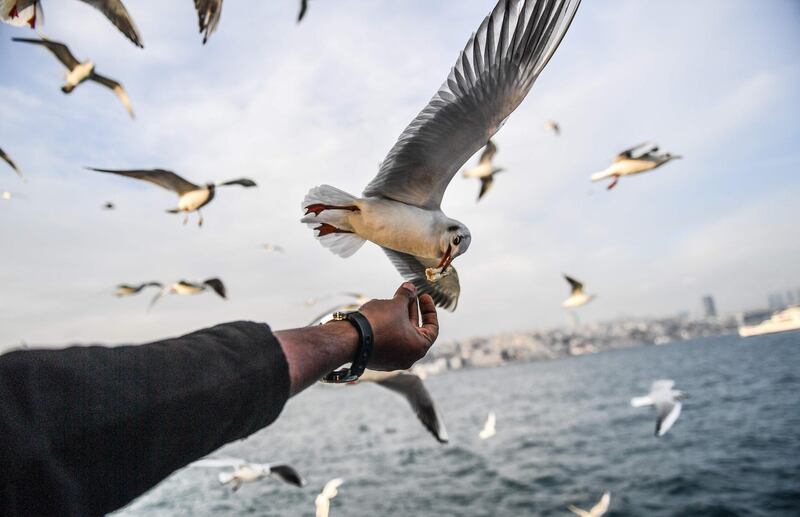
85	430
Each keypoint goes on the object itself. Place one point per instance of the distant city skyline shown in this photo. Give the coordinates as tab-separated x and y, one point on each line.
294	106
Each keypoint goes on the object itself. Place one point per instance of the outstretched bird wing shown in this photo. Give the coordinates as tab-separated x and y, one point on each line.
165	179
60	50
116	13
491	77
444	291
217	285
576	286
668	413
636	151
287	474
116	88
486	184
488	152
578	511
208	13
244	182
10	162
303	9
413	389
217	463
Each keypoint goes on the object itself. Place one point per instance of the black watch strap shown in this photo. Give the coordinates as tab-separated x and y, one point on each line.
363	352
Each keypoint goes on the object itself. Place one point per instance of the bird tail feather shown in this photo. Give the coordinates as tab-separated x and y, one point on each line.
332	225
597	176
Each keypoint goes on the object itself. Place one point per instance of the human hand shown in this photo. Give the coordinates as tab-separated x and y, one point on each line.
400	340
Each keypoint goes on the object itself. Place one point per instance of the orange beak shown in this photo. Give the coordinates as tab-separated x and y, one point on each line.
447	258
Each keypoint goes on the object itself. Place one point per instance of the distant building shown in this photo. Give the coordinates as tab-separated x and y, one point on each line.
709	307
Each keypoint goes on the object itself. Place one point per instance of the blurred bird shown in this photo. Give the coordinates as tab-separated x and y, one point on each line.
552	125
30	12
131	289
359	299
245	472
323	500
485	171
489	429
108	206
6	195
208	13
401	207
191	197
411	386
9	161
641	158
667	403
273	248
303	9
186	288
79	72
576	296
597	510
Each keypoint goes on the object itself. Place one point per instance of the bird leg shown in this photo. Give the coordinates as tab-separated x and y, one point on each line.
327	229
613	183
200	221
186	218
13	13
318	208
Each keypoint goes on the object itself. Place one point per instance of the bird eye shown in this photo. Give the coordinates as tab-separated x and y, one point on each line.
457	240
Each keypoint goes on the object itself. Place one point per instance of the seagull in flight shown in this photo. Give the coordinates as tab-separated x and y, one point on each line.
552	125
245	472
79	72
489	429
10	162
208	13
323	500
400	209
132	289
576	296
273	248
485	171
597	510
191	197
641	158
108	205
20	12
184	288
667	403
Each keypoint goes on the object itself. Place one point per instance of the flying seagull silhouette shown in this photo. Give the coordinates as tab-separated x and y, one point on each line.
667	403
79	72
576	296
191	197
485	171
641	158
246	472
597	510
132	289
184	288
6	158
208	14
401	207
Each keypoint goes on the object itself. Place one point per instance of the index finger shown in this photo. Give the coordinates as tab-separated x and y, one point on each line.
430	320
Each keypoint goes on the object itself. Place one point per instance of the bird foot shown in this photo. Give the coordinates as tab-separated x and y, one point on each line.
13	13
318	208
327	229
613	183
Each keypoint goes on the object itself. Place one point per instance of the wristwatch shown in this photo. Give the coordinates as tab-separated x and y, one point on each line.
363	352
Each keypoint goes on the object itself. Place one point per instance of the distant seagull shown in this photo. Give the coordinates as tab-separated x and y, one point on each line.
597	510
303	9
489	429
80	72
6	195
485	171
323	500
114	10
401	207
273	248
208	13
667	403
191	197
576	296
109	206
411	386
359	299
131	289
641	158
184	288
245	472
552	125
9	161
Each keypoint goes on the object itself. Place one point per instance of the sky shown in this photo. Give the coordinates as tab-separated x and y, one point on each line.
294	106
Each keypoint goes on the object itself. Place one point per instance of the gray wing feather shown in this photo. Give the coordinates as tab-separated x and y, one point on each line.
288	474
444	292
486	184
60	50
413	389
637	151
491	77
244	182
217	285
303	9
574	284
6	158
165	179
116	13
488	152
208	14
117	88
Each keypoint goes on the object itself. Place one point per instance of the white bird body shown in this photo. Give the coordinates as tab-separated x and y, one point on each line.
195	199
666	401
636	160
597	510
626	167
577	300
482	170
246	473
77	75
489	428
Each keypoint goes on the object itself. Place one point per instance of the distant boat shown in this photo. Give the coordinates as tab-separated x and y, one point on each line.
783	321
